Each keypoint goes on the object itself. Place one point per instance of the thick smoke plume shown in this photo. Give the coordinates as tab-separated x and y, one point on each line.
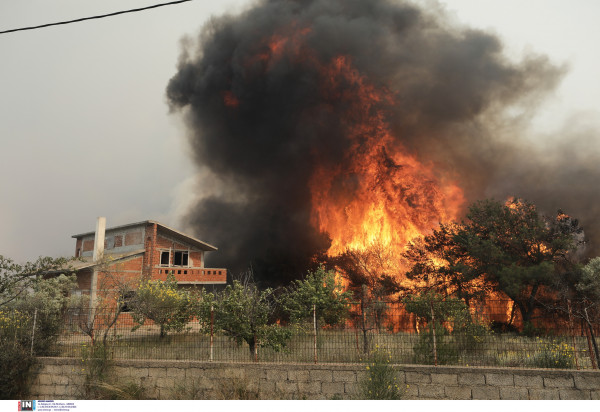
260	121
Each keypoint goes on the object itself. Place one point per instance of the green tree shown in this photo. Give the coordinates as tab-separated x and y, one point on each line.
32	310
515	249
17	280
451	330
435	309
587	299
318	290
163	303
247	314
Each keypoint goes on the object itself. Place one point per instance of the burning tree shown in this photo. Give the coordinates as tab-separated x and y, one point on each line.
515	249
441	264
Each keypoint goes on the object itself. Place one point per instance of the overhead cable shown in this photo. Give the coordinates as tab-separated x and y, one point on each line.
95	17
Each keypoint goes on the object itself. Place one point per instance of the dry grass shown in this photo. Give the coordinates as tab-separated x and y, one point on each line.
333	346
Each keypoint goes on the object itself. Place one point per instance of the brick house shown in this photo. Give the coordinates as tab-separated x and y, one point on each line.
142	250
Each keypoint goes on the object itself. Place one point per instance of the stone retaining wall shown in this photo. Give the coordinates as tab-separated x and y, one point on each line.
62	378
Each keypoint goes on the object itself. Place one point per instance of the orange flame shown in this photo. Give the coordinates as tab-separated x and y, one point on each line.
380	194
383	195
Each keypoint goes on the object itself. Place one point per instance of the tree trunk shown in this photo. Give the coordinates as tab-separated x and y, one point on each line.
531	301
252	346
525	314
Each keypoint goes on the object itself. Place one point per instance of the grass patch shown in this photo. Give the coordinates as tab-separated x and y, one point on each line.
342	346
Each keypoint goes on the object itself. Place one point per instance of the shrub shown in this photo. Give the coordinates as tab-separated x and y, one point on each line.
29	327
381	380
446	348
163	303
16	360
456	331
554	355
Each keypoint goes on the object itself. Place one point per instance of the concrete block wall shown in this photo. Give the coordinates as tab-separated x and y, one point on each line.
61	378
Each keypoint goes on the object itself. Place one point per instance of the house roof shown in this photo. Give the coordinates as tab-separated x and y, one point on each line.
87	262
164	228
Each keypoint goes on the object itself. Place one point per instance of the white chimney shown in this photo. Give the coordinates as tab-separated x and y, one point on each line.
98	253
99	239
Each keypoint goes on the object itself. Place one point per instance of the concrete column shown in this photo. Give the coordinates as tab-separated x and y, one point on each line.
99	239
97	257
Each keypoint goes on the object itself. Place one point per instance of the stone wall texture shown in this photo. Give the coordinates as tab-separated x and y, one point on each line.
63	378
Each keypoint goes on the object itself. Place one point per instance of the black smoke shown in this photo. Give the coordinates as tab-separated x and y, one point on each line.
257	126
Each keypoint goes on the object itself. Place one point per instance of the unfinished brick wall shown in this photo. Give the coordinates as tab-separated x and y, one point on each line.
61	378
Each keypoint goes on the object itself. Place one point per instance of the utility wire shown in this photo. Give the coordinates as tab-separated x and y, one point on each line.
95	17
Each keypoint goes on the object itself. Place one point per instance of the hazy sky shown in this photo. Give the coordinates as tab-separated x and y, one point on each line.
85	129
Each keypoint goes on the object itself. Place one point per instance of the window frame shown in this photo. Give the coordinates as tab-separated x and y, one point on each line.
184	256
168	252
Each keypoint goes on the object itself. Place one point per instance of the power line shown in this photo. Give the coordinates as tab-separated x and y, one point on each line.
95	17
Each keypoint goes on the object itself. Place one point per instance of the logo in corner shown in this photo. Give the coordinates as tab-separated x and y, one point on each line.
27	405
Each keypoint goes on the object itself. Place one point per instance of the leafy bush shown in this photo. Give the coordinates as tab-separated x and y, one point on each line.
163	303
553	355
381	380
456	332
96	361
446	348
319	290
29	326
16	360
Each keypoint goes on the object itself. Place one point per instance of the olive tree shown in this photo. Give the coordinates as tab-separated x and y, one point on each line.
320	295
247	314
163	303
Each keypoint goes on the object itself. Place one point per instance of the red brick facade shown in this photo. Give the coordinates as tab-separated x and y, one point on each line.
147	250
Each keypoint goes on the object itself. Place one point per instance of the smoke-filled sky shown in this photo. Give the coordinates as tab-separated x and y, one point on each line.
86	127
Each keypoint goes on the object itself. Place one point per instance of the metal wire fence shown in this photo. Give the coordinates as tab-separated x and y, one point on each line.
497	340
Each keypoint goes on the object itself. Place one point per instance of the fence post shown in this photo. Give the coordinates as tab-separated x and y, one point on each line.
433	333
572	333
33	329
255	349
315	331
212	322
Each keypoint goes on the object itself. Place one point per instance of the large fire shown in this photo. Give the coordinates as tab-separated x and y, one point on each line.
379	194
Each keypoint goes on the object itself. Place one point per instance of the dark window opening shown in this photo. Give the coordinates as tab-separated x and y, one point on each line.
185	272
127	301
164	258
180	259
